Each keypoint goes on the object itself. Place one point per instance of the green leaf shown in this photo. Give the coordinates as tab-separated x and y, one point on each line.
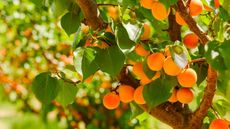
45	87
201	70
158	91
168	3
89	65
134	31
224	51
122	37
78	41
147	70
110	60
66	93
179	55
70	22
77	60
136	110
60	6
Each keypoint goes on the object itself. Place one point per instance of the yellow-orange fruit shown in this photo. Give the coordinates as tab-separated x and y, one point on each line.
170	67
146	3
219	124
138	96
173	97
167	51
216	3
111	100
89	79
140	50
191	40
145	80
159	11
179	19
195	7
156	76
126	93
113	12
187	78
207	8
155	61
184	95
139	72
146	33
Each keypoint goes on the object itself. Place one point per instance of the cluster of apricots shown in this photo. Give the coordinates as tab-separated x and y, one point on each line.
160	12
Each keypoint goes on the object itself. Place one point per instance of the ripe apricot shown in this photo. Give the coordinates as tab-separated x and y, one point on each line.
195	7
167	51
146	3
159	11
140	50
219	124
173	97
156	76
126	93
138	95
187	78
145	80
179	19
89	79
170	67
216	4
191	40
207	8
146	33
111	100
113	12
139	72
184	95
155	61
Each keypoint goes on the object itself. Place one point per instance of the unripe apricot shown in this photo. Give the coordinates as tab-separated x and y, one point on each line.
184	95
155	61
159	11
187	78
146	33
195	7
140	50
138	95
147	3
173	97
111	100
219	124
170	67
179	19
191	40
126	93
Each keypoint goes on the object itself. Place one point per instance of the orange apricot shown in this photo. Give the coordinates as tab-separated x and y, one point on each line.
159	11
111	100
140	50
138	95
219	124
173	97
126	93
89	79
184	95
170	67
195	7
191	40
167	51
187	78
146	33
145	80
216	4
113	12
207	8
146	3
179	19
155	61
139	72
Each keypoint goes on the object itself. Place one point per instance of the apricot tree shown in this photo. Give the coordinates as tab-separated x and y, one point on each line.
138	43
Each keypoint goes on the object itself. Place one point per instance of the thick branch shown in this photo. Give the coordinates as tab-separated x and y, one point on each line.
89	9
206	102
174	29
191	22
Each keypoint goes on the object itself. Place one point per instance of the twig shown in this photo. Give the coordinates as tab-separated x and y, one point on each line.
67	80
197	60
101	5
215	112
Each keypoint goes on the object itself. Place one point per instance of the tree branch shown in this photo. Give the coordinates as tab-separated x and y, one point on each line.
89	9
174	29
191	22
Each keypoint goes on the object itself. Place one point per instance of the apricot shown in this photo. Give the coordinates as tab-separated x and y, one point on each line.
111	100
138	95
145	80
191	40
89	79
216	4
170	67
159	11
113	12
187	78
139	72
195	7
173	97
146	33
167	51
156	76
184	95
146	3
179	19
126	93
155	61
207	8
219	124
140	50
